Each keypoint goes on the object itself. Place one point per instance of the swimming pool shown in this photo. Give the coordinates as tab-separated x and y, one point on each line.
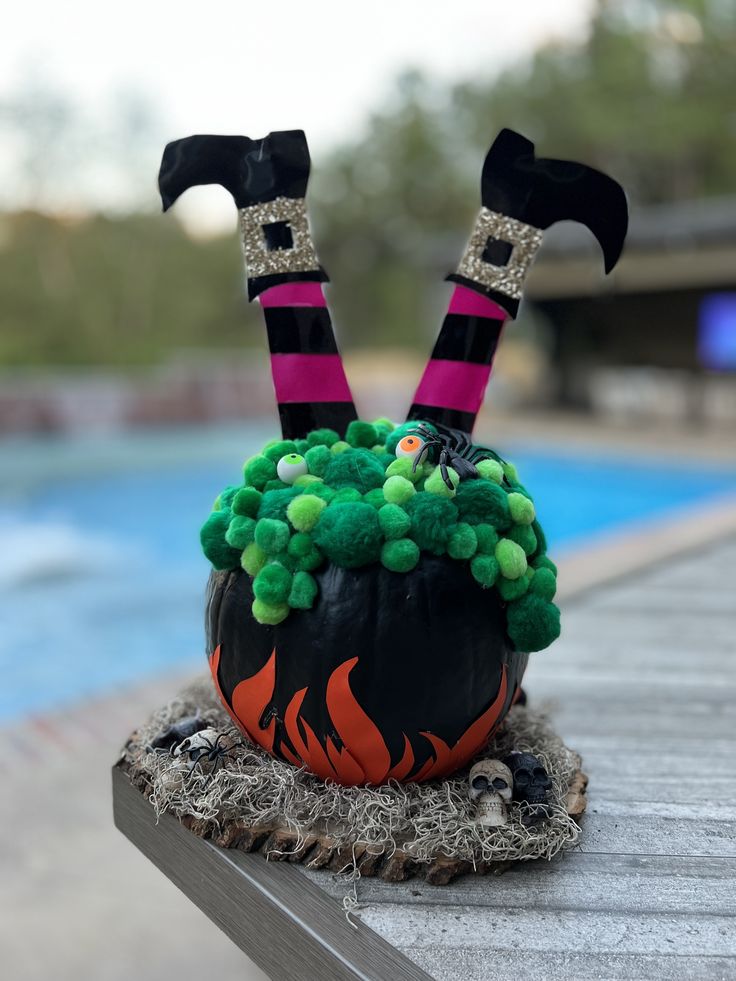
102	579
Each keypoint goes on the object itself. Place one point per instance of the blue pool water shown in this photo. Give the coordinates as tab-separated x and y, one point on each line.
102	579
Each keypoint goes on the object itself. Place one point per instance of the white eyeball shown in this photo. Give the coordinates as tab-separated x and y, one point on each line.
290	467
411	446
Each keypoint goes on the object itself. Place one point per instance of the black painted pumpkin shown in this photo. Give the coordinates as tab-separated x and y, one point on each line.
387	676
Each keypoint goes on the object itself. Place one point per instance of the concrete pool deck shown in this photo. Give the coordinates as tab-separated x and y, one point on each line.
81	903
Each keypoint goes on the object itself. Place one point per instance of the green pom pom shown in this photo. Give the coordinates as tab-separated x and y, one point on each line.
512	589
543	584
524	536
484	569
432	521
540	536
301	446
303	591
282	447
482	502
384	423
511	559
226	497
322	491
532	623
323	437
349	534
521	508
272	584
361	434
247	501
307	480
253	559
487	538
275	485
304	552
339	447
355	468
463	542
241	532
511	473
375	498
274	503
398	490
394	521
403	466
272	535
346	495
214	545
271	615
317	460
258	471
490	470
435	484
400	555
542	562
304	511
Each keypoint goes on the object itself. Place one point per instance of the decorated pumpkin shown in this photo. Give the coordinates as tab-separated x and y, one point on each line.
377	589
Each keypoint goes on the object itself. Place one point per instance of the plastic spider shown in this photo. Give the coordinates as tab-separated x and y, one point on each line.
454	449
206	745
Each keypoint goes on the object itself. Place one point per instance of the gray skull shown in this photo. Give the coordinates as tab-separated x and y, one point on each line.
531	784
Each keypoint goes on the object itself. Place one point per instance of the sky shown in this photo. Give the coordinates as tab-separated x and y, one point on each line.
245	67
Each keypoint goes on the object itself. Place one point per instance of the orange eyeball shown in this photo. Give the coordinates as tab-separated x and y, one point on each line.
411	446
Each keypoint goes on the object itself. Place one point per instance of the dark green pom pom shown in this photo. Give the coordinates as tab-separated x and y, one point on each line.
303	591
214	546
359	469
375	498
432	521
279	449
540	536
305	553
247	501
226	497
349	534
322	437
274	503
259	470
485	569
301	446
523	535
361	434
487	538
543	584
543	562
322	491
532	623
272	584
483	502
512	589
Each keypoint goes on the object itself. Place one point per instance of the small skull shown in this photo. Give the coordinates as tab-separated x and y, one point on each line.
490	784
531	785
206	746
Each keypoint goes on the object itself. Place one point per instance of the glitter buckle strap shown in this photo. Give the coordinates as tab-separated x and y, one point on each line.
499	253
275	238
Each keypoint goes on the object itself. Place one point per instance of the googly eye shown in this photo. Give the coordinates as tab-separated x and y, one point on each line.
411	446
290	467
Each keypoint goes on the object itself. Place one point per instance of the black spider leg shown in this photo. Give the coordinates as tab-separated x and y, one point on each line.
443	468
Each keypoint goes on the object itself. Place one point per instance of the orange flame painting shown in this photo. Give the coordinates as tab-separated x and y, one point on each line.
363	756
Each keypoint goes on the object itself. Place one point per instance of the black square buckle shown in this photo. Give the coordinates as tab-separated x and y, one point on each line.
497	252
278	236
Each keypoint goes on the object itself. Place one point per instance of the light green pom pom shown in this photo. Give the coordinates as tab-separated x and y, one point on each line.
303	591
398	490
339	447
511	559
307	479
273	535
247	501
268	614
490	470
317	459
384	423
435	484
394	521
522	509
400	555
404	467
511	473
240	532
463	542
258	470
253	559
304	511
487	538
485	570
